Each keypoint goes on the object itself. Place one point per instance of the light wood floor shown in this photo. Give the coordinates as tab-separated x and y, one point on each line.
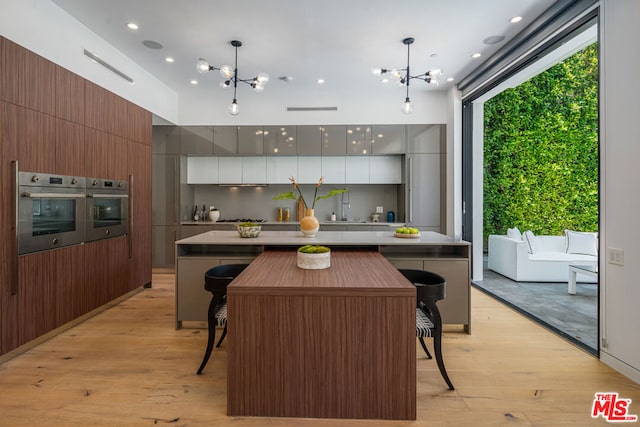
129	366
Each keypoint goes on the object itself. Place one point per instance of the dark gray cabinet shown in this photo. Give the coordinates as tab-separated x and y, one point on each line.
225	140
163	238
250	140
426	139
280	140
166	140
334	140
309	140
388	139
196	140
359	139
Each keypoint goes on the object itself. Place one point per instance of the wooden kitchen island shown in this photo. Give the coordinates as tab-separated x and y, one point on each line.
444	255
332	343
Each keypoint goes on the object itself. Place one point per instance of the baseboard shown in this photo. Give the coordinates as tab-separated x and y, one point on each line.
625	369
60	329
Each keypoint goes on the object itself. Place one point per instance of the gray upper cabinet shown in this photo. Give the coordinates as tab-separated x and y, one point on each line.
309	140
196	140
166	139
280	140
426	139
250	140
359	139
334	140
388	139
225	140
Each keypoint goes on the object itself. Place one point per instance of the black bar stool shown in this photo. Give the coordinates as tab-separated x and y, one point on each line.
430	287
216	280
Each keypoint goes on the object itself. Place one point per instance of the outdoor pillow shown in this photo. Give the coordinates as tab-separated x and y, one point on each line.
533	243
581	243
514	233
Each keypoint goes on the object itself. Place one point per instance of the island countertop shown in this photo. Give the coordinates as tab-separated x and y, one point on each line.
342	238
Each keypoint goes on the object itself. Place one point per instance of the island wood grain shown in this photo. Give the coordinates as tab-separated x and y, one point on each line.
334	343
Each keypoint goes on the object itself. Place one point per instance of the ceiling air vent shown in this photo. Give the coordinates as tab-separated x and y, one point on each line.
106	65
312	108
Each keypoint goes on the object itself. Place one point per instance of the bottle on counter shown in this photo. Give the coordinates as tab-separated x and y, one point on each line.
287	214
333	217
280	214
205	214
195	215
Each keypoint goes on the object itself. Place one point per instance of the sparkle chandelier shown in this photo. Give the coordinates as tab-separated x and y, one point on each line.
403	76
230	75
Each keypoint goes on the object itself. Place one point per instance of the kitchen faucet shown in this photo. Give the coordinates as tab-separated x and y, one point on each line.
345	206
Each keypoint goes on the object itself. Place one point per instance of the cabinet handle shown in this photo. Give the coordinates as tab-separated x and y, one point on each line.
15	280
409	199
176	192
131	200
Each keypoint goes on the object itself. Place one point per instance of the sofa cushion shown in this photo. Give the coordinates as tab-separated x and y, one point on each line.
533	243
581	243
562	257
514	233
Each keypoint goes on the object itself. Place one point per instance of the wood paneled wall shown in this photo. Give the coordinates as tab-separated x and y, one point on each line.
54	121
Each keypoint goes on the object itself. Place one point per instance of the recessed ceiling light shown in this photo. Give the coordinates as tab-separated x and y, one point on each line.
476	55
194	82
320	81
515	19
132	26
493	40
152	44
169	59
450	79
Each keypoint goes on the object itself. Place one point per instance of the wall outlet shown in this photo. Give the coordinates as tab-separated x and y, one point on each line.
615	256
379	209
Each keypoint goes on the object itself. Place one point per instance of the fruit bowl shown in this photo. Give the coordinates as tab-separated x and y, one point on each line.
407	233
249	229
314	257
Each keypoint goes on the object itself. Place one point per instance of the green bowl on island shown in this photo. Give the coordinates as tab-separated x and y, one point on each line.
249	229
314	257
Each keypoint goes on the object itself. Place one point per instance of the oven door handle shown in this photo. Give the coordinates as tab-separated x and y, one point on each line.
53	195
108	196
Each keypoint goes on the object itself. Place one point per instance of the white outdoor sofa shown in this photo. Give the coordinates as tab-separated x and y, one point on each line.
549	263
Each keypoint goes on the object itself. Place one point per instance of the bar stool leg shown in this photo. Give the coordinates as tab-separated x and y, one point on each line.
224	334
424	347
211	317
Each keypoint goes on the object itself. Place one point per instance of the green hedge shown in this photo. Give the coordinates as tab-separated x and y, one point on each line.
541	151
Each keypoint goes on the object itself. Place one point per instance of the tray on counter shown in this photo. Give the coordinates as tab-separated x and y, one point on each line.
406	236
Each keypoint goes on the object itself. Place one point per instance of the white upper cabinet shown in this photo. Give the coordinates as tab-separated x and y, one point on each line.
357	169
230	170
385	170
309	169
333	169
280	168
254	169
202	170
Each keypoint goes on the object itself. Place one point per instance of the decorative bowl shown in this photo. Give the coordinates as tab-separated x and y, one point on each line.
246	229
313	257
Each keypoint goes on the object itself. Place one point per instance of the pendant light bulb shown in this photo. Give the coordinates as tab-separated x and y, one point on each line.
234	109
202	66
407	107
226	71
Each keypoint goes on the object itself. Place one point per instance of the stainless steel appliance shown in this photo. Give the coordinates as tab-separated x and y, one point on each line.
51	211
107	208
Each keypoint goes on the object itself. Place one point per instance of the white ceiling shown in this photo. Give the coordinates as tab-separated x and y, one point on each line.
338	40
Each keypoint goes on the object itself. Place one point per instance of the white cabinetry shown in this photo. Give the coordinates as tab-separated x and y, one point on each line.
333	169
309	169
202	170
357	170
230	170
254	170
279	169
385	170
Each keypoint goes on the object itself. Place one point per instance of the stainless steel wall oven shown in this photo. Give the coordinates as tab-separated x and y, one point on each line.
51	211
107	208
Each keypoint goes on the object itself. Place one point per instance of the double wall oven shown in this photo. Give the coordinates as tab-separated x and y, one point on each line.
51	211
107	208
57	210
